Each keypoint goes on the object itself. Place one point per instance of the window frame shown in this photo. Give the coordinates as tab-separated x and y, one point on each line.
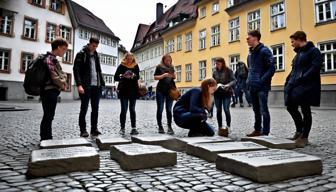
254	20
202	70
324	52
235	29
272	15
188	72
35	28
201	40
9	60
214	35
23	53
277	56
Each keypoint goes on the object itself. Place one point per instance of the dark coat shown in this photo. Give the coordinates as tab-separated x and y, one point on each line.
225	77
261	68
191	101
82	68
303	84
127	88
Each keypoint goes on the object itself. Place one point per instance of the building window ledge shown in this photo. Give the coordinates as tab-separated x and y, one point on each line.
234	41
325	22
278	29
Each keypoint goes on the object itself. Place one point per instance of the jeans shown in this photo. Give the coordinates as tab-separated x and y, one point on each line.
92	93
225	102
261	112
194	123
124	105
160	100
303	125
49	102
241	89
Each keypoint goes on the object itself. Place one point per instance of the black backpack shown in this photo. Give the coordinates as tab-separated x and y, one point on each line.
36	76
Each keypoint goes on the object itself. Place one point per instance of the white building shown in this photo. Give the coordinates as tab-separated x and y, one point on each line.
86	25
26	30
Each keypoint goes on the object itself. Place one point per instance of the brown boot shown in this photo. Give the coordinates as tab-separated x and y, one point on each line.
295	136
224	132
301	142
254	134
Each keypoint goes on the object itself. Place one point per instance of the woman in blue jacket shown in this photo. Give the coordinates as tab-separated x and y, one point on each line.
190	111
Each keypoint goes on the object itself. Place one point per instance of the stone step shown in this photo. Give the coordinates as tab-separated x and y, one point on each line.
50	144
182	142
165	141
272	142
269	165
46	162
209	151
105	142
138	156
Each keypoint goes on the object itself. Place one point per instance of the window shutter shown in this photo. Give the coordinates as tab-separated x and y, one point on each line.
63	7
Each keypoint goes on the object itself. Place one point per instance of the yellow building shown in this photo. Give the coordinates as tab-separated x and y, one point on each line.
221	28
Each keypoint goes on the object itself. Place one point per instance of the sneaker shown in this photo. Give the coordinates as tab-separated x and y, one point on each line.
122	131
170	130
134	131
233	105
295	136
224	132
84	134
301	142
161	130
254	134
95	133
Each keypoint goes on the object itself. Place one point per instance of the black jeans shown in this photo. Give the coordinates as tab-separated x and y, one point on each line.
124	105
160	100
193	122
49	102
225	102
303	125
92	93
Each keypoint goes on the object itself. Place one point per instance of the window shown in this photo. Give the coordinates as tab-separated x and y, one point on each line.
328	51
66	33
6	23
189	41
84	34
25	59
277	16
215	36
67	58
215	8
234	29
325	10
30	28
202	39
202	12
278	53
69	76
5	55
230	3
188	72
213	64
253	20
114	43
51	32
202	70
109	79
179	43
57	6
170	46
39	3
178	73
233	62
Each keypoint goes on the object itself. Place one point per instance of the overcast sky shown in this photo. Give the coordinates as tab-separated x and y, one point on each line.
123	16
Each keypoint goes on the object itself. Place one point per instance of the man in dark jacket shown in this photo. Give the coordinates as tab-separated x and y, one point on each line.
241	77
303	85
89	81
261	70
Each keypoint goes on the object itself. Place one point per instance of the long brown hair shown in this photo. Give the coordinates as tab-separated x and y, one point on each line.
163	58
222	61
206	97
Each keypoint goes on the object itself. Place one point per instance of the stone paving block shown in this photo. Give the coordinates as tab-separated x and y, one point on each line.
165	141
50	144
105	142
209	151
272	142
269	165
138	156
182	142
45	162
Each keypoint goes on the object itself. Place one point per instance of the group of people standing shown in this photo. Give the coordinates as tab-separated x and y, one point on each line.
302	89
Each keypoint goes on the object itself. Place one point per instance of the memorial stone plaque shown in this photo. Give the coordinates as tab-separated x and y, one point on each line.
45	162
105	142
182	142
269	165
165	141
50	144
209	151
272	142
138	156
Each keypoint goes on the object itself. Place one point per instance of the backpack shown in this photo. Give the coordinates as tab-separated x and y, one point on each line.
36	76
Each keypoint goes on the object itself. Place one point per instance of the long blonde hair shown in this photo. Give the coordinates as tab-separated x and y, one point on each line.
123	61
206	97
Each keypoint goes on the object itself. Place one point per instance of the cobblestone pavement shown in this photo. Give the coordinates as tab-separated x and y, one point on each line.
20	135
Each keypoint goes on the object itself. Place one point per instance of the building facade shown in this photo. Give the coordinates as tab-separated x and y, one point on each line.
27	28
221	29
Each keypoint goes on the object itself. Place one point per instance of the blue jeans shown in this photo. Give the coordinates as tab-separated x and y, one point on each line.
261	113
160	100
92	93
225	102
241	89
49	102
124	105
